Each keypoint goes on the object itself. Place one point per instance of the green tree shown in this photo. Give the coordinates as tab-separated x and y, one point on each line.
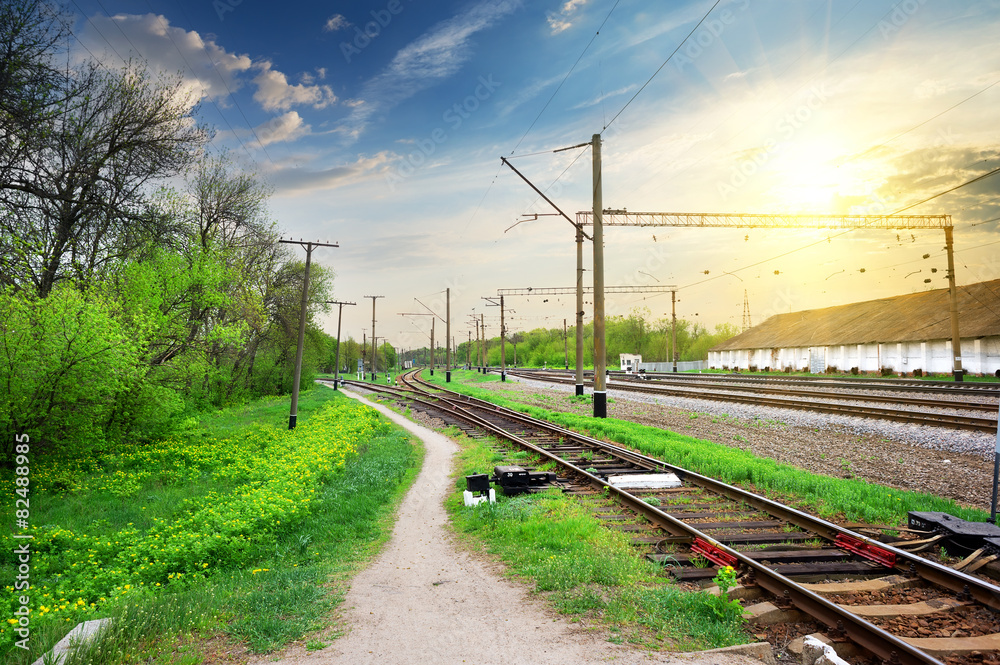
64	360
76	204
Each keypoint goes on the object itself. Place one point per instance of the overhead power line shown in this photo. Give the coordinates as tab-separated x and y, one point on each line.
698	25
559	87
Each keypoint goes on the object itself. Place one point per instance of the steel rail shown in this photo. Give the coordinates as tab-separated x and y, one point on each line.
936	419
861	631
988	389
750	387
874	639
984	592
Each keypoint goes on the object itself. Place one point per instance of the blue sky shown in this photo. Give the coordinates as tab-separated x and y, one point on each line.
381	125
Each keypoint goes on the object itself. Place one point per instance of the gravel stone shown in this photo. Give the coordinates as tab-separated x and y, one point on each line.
951	463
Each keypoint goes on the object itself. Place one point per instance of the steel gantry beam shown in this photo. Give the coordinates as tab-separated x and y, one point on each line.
735	220
567	290
615	217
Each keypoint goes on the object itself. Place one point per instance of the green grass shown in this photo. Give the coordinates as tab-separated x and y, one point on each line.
291	577
586	571
857	500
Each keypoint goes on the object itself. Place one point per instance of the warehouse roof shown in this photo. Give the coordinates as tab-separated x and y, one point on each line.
914	317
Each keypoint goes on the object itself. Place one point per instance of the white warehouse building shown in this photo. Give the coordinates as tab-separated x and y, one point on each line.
903	334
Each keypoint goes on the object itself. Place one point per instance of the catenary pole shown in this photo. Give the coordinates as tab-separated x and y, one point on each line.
374	351
579	311
336	357
447	335
673	328
956	341
297	376
600	350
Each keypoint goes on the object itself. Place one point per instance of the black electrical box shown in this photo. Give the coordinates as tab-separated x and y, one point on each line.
479	482
511	477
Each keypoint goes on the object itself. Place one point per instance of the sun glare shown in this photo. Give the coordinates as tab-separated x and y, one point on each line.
807	179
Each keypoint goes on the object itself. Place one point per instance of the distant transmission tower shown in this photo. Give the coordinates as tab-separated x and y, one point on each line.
746	312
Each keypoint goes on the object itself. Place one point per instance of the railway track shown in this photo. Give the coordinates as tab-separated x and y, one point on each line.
781	552
858	383
810	400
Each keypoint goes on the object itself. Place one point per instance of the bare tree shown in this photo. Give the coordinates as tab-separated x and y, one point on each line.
32	87
79	203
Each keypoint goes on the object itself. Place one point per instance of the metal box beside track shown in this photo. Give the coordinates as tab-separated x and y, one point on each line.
512	479
962	536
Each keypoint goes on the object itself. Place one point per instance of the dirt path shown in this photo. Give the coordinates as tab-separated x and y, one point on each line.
424	600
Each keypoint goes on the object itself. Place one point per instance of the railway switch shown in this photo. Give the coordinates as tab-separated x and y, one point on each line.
512	480
961	536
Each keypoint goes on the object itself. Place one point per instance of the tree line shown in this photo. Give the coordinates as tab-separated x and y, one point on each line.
140	275
634	334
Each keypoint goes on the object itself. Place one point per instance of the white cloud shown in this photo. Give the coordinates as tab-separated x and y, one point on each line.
287	127
336	22
435	55
275	93
309	78
559	21
600	98
208	70
288	181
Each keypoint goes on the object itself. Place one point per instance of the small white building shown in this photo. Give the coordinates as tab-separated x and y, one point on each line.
629	362
903	334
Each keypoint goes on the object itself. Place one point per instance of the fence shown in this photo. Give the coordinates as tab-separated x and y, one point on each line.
682	366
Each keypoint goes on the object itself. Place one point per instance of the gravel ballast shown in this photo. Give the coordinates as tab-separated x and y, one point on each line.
950	463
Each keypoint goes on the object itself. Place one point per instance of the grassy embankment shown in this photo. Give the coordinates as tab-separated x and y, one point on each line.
585	570
235	534
855	500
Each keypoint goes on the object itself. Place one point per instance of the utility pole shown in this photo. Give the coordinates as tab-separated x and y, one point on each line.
468	350
673	327
503	332
432	315
447	335
483	349
479	351
956	342
374	356
579	310
447	323
580	235
600	350
293	414
364	351
747	324
565	346
340	314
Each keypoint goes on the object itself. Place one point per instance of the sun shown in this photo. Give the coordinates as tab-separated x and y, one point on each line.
809	180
